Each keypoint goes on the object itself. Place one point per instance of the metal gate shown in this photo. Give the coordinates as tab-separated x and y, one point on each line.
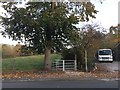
64	65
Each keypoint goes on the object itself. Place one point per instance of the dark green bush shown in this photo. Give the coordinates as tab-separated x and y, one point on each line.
69	54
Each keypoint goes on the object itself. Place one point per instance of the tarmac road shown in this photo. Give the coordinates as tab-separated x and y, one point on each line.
61	84
111	67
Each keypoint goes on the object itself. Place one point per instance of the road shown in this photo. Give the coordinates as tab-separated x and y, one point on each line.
61	84
111	67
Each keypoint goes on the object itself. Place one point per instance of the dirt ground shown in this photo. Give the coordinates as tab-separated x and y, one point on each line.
60	75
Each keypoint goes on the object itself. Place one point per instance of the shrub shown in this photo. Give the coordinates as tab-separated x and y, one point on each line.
69	54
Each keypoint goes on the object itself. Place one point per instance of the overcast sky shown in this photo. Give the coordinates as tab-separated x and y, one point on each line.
107	16
108	13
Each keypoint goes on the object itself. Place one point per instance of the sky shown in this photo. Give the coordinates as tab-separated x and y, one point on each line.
108	13
107	16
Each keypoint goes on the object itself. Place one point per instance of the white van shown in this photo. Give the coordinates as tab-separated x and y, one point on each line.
105	55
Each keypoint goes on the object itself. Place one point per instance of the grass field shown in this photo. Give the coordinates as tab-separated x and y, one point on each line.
26	63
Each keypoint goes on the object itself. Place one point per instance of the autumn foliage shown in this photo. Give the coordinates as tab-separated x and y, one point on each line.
9	51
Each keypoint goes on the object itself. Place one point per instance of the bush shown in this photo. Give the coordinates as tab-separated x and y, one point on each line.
7	51
91	64
69	54
116	53
10	51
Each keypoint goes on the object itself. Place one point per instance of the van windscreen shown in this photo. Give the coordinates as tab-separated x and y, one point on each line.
105	52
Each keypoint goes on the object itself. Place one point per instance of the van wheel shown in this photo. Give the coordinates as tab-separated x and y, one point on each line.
111	61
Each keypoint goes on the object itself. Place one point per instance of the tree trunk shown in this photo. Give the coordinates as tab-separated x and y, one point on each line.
47	58
53	4
86	66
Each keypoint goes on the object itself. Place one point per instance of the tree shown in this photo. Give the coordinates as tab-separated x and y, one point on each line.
115	33
90	41
8	51
113	39
44	28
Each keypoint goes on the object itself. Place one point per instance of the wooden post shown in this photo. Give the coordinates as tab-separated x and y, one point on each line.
75	63
63	65
86	66
56	64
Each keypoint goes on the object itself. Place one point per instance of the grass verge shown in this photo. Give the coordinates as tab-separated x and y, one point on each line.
26	63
